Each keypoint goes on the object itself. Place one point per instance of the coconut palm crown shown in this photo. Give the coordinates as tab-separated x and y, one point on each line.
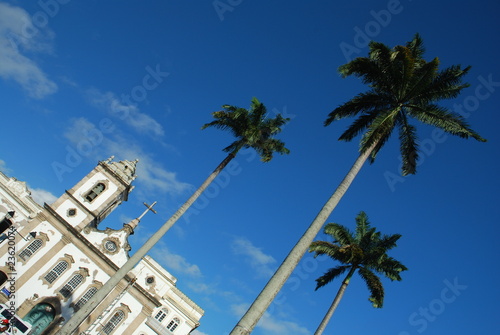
252	129
402	86
365	251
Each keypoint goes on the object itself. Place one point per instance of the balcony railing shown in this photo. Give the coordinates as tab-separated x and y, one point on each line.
157	327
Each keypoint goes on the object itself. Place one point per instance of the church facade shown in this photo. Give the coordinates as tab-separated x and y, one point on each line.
54	258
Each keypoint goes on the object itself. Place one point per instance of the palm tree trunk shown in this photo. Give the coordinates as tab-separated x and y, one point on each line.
73	323
274	285
335	303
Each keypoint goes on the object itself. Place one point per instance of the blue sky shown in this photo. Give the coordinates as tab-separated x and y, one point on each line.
82	81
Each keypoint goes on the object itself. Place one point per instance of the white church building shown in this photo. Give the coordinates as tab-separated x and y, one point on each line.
54	258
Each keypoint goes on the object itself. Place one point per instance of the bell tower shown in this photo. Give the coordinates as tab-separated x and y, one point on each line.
97	194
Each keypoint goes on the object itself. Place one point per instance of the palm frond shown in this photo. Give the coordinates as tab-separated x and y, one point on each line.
335	252
388	242
362	225
372	71
361	67
374	286
235	146
379	132
341	234
267	148
324	248
362	103
390	268
358	126
408	145
440	117
446	85
422	77
368	240
330	275
416	46
257	112
403	68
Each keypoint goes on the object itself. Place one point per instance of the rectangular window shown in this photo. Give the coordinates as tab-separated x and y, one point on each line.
160	316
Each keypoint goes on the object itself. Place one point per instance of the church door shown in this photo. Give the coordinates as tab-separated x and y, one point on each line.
40	317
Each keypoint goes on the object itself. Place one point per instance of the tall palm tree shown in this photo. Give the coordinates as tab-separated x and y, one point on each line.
402	86
252	129
365	252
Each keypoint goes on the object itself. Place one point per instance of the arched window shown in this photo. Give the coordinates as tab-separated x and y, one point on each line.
173	324
95	191
160	316
56	271
86	297
71	285
31	249
113	322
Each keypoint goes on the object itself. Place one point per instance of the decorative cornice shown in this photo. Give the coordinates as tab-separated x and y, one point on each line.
188	301
66	239
21	203
114	174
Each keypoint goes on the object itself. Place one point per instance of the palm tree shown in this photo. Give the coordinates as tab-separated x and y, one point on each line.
252	129
402	86
365	253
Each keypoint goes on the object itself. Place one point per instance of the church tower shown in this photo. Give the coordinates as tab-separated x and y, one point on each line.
97	194
54	258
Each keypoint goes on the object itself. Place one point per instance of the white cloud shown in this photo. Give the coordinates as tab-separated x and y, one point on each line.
89	141
4	168
17	37
157	178
174	262
80	131
201	288
281	327
197	332
42	196
129	113
271	325
258	260
213	289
